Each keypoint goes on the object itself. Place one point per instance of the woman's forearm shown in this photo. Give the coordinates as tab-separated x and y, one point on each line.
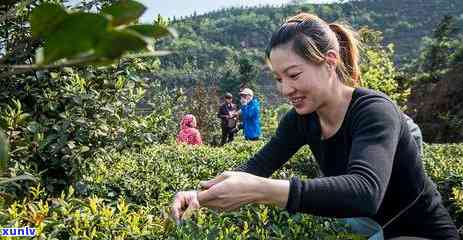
274	192
248	189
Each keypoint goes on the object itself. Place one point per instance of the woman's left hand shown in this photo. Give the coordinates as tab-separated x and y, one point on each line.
184	202
230	190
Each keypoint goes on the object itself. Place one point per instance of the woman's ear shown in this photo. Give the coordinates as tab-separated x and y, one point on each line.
331	58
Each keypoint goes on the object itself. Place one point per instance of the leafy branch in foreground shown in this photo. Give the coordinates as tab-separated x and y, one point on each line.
78	38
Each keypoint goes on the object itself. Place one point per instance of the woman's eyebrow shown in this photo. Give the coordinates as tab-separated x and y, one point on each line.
290	67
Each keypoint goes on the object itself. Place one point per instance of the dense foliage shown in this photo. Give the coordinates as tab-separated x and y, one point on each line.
127	195
436	99
55	118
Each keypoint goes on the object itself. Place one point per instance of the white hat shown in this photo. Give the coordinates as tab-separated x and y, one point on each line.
247	91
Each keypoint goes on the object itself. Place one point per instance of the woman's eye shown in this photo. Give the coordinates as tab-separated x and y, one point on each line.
278	79
294	76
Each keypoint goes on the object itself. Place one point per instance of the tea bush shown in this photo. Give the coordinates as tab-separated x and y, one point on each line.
57	129
153	174
68	217
55	116
147	179
144	180
444	163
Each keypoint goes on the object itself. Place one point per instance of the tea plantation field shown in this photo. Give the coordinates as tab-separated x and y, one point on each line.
126	195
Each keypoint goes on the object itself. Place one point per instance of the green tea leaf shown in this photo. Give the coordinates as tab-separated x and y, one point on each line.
153	31
124	12
115	43
46	18
78	34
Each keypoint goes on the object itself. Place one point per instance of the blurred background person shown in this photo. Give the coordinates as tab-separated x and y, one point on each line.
250	114
228	116
188	133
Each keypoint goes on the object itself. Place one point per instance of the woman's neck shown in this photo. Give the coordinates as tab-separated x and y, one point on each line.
332	114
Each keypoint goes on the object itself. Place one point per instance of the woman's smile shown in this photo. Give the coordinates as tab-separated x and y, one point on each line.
297	102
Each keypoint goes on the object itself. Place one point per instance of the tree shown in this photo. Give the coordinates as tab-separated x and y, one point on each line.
377	67
204	105
248	72
438	50
231	79
436	100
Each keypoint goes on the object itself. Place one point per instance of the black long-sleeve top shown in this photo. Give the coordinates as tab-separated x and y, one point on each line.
371	167
224	111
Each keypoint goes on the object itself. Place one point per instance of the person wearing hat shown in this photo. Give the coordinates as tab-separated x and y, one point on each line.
250	115
228	117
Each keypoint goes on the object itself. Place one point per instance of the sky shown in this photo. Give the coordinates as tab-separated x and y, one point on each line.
177	8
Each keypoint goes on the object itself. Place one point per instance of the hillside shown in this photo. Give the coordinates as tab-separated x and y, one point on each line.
403	22
211	46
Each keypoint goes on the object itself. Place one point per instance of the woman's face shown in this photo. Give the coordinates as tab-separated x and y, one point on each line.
306	85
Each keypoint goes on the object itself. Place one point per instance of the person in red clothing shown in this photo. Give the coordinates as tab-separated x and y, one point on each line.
189	134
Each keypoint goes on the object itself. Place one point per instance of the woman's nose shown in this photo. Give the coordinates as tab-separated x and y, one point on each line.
286	89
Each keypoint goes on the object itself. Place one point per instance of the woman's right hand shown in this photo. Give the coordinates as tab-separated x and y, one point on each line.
184	201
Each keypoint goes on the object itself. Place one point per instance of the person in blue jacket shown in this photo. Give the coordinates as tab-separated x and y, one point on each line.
250	115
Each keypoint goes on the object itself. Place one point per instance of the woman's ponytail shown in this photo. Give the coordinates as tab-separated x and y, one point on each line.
348	49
